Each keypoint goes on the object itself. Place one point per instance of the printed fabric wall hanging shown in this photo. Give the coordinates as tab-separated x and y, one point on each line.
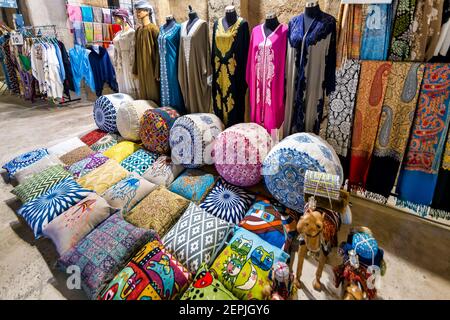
402	34
441	201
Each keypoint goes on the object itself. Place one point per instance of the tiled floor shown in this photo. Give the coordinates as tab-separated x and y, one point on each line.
417	252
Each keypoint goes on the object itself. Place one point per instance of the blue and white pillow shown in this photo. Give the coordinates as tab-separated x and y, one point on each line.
140	161
228	202
42	210
105	111
24	160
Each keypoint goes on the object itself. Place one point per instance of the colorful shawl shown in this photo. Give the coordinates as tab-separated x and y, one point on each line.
349	36
369	101
377	32
395	125
98	14
87	14
418	178
441	201
98	32
107	17
341	106
74	12
89	31
402	33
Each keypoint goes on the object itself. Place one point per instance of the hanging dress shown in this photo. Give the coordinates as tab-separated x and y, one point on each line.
229	60
194	67
124	46
265	76
146	63
316	67
169	44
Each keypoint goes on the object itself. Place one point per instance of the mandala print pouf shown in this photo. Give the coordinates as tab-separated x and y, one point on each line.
155	129
129	118
192	138
105	110
285	167
239	152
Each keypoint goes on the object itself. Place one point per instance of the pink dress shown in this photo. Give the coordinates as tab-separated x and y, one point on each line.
265	76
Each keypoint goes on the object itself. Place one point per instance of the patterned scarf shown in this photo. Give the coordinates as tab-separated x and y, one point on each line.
397	115
418	178
402	33
341	106
441	201
349	36
374	75
377	32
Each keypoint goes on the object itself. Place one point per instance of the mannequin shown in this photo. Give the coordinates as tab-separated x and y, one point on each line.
271	23
144	16
193	17
170	22
312	12
230	17
121	21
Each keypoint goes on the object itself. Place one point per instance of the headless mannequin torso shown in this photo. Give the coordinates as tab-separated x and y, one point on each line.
193	17
271	24
311	13
230	18
170	22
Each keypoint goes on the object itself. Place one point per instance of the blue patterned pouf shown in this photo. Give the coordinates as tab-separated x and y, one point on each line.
285	167
105	111
192	138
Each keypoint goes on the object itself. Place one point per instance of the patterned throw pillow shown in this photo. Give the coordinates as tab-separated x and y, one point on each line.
40	183
64	147
264	219
227	202
104	251
57	199
76	155
140	161
128	192
193	185
37	167
93	136
196	237
160	210
104	177
163	172
122	150
152	274
74	224
24	160
83	167
108	141
244	265
207	287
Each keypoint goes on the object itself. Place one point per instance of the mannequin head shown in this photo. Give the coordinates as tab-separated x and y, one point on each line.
142	13
122	17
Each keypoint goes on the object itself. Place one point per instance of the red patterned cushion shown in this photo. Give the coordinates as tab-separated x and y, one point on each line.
93	136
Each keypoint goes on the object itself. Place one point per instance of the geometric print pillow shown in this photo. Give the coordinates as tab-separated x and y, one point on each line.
40	183
59	198
227	202
140	161
196	237
24	160
83	167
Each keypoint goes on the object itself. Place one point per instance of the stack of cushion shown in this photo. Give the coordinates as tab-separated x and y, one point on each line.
192	139
285	167
155	129
105	111
129	117
239	152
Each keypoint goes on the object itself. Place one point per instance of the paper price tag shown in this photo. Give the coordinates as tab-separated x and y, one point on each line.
17	39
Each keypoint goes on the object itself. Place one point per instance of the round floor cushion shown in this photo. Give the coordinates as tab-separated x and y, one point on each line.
105	110
239	152
192	138
285	167
155	129
129	116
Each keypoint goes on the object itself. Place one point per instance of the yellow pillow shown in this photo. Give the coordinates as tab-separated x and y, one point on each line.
104	177
122	150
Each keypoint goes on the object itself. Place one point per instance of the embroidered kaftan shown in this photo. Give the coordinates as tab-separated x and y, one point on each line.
265	76
316	66
169	44
194	67
229	60
124	46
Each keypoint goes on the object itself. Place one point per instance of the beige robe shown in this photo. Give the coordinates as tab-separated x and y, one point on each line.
194	67
146	64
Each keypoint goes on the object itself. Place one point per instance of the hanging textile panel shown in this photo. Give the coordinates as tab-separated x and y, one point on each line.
418	178
350	26
369	102
395	126
341	106
377	32
441	201
402	34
